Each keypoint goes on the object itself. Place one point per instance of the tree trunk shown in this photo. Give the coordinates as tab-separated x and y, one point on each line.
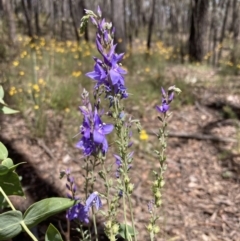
10	21
74	20
118	23
198	29
223	30
36	16
235	29
63	20
28	18
150	26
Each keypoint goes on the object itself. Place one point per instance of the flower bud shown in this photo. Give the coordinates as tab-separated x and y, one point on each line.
156	229
149	227
108	224
157	194
126	180
162	183
115	229
130	188
158	203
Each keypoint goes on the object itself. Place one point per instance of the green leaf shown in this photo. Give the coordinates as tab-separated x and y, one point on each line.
10	184
45	208
10	224
12	168
3	170
7	110
3	152
52	234
126	231
8	162
1	92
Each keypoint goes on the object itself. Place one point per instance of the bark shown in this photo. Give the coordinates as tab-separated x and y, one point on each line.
36	16
198	29
28	18
235	29
222	36
138	18
118	23
74	20
10	21
150	25
63	20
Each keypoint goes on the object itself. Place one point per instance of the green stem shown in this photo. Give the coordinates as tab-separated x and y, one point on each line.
132	218
125	211
7	199
95	224
14	209
28	231
93	213
108	199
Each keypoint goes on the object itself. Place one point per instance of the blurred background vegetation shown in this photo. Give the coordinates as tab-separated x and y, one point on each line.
43	58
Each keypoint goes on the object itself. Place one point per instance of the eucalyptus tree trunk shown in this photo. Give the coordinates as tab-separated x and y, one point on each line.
118	23
150	25
36	16
198	28
223	29
10	20
27	14
235	29
63	19
74	20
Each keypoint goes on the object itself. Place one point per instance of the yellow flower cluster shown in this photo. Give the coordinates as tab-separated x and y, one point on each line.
76	73
12	91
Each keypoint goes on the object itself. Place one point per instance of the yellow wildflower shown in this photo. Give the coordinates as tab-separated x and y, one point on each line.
41	81
76	73
143	135
21	73
36	88
147	70
36	107
67	110
12	91
15	63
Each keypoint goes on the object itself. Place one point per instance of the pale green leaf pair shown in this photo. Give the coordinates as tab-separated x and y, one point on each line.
10	222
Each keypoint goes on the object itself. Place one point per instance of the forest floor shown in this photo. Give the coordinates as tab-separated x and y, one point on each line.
201	199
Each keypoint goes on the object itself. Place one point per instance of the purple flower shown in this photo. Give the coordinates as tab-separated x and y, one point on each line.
93	132
100	130
87	145
95	200
166	100
164	107
78	211
99	74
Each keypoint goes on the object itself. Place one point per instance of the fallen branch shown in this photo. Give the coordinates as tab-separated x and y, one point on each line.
198	136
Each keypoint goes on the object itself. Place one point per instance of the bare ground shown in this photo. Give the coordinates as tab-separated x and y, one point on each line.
202	192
